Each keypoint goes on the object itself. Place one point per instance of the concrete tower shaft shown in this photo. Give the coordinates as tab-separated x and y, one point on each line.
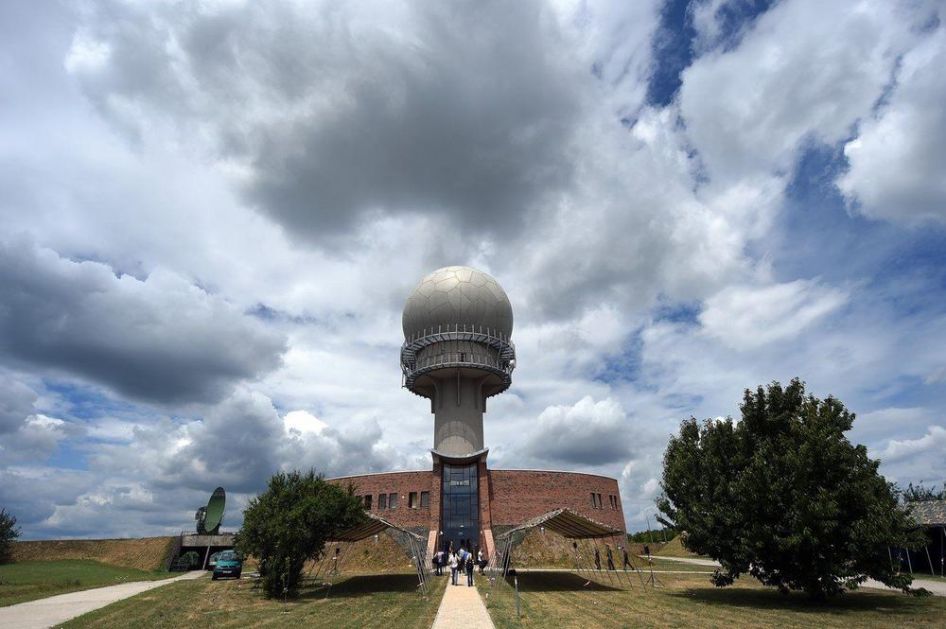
457	352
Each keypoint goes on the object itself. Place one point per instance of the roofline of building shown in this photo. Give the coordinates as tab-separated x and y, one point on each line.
492	469
379	474
496	469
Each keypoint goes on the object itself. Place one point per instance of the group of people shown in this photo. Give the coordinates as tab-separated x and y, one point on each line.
459	562
610	556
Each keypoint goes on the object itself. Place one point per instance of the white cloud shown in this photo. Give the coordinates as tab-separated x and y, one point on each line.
897	160
793	77
744	317
586	432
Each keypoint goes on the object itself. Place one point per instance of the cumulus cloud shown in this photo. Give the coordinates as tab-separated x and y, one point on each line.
587	432
330	113
919	459
161	338
896	161
16	403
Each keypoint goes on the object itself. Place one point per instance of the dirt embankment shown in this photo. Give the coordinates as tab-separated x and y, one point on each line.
538	550
147	553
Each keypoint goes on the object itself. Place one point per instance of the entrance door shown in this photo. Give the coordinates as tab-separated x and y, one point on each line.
460	507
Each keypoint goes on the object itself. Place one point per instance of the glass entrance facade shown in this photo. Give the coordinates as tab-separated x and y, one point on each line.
460	507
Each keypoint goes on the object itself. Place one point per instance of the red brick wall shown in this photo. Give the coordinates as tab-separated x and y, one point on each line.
514	496
401	483
519	495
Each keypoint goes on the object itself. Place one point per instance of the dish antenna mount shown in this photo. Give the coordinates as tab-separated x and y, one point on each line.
209	517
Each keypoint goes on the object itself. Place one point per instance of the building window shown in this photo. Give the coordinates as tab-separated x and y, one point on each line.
600	502
425	500
368	502
412	500
594	501
392	501
382	501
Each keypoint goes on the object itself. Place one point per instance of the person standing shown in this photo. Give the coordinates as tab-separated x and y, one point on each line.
481	560
610	557
469	569
454	564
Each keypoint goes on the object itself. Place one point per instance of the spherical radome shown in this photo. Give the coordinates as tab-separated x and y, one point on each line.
457	295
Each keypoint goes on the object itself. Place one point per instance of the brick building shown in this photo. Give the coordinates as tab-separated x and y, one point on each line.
457	353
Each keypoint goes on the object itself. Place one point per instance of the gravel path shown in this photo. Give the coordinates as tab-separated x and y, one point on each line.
48	612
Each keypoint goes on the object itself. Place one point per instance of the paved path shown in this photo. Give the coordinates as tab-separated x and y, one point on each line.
938	588
462	608
47	612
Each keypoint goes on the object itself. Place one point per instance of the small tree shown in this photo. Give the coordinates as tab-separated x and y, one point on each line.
289	524
9	531
784	496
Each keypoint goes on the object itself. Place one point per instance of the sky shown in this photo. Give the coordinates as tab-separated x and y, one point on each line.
212	212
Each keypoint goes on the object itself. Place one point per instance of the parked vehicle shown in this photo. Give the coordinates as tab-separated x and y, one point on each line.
229	564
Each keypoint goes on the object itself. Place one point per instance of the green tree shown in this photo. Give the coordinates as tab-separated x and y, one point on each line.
289	523
9	531
784	496
922	493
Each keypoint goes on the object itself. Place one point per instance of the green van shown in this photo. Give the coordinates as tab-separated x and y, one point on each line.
229	564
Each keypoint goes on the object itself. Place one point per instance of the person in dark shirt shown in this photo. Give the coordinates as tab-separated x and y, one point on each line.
470	562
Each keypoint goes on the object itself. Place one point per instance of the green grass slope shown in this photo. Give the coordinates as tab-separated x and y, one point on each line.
29	580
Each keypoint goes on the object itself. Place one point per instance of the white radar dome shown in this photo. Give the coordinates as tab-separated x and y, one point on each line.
458	295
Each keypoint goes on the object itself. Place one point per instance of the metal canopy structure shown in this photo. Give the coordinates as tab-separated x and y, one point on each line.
572	526
413	544
563	521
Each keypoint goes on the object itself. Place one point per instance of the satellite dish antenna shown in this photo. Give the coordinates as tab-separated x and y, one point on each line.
209	517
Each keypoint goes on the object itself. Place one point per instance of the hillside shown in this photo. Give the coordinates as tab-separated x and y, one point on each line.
147	553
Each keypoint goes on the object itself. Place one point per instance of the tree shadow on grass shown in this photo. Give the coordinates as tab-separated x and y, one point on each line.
558	582
772	599
364	585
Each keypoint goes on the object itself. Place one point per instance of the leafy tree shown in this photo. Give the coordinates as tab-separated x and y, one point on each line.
289	523
922	493
9	531
784	496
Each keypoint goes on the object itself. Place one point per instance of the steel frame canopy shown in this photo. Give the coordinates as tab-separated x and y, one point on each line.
566	523
413	544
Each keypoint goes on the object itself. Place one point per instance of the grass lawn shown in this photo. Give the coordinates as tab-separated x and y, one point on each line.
386	600
562	600
676	566
29	580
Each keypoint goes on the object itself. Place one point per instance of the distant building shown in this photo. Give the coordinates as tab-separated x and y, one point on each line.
930	515
458	352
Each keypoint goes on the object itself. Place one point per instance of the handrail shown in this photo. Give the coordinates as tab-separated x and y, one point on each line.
448	328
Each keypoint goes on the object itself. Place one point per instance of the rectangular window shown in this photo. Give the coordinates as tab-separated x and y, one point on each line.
600	502
412	500
368	502
382	501
425	500
594	501
392	501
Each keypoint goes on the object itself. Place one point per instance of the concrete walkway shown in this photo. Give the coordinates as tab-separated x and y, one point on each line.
48	612
462	608
938	588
